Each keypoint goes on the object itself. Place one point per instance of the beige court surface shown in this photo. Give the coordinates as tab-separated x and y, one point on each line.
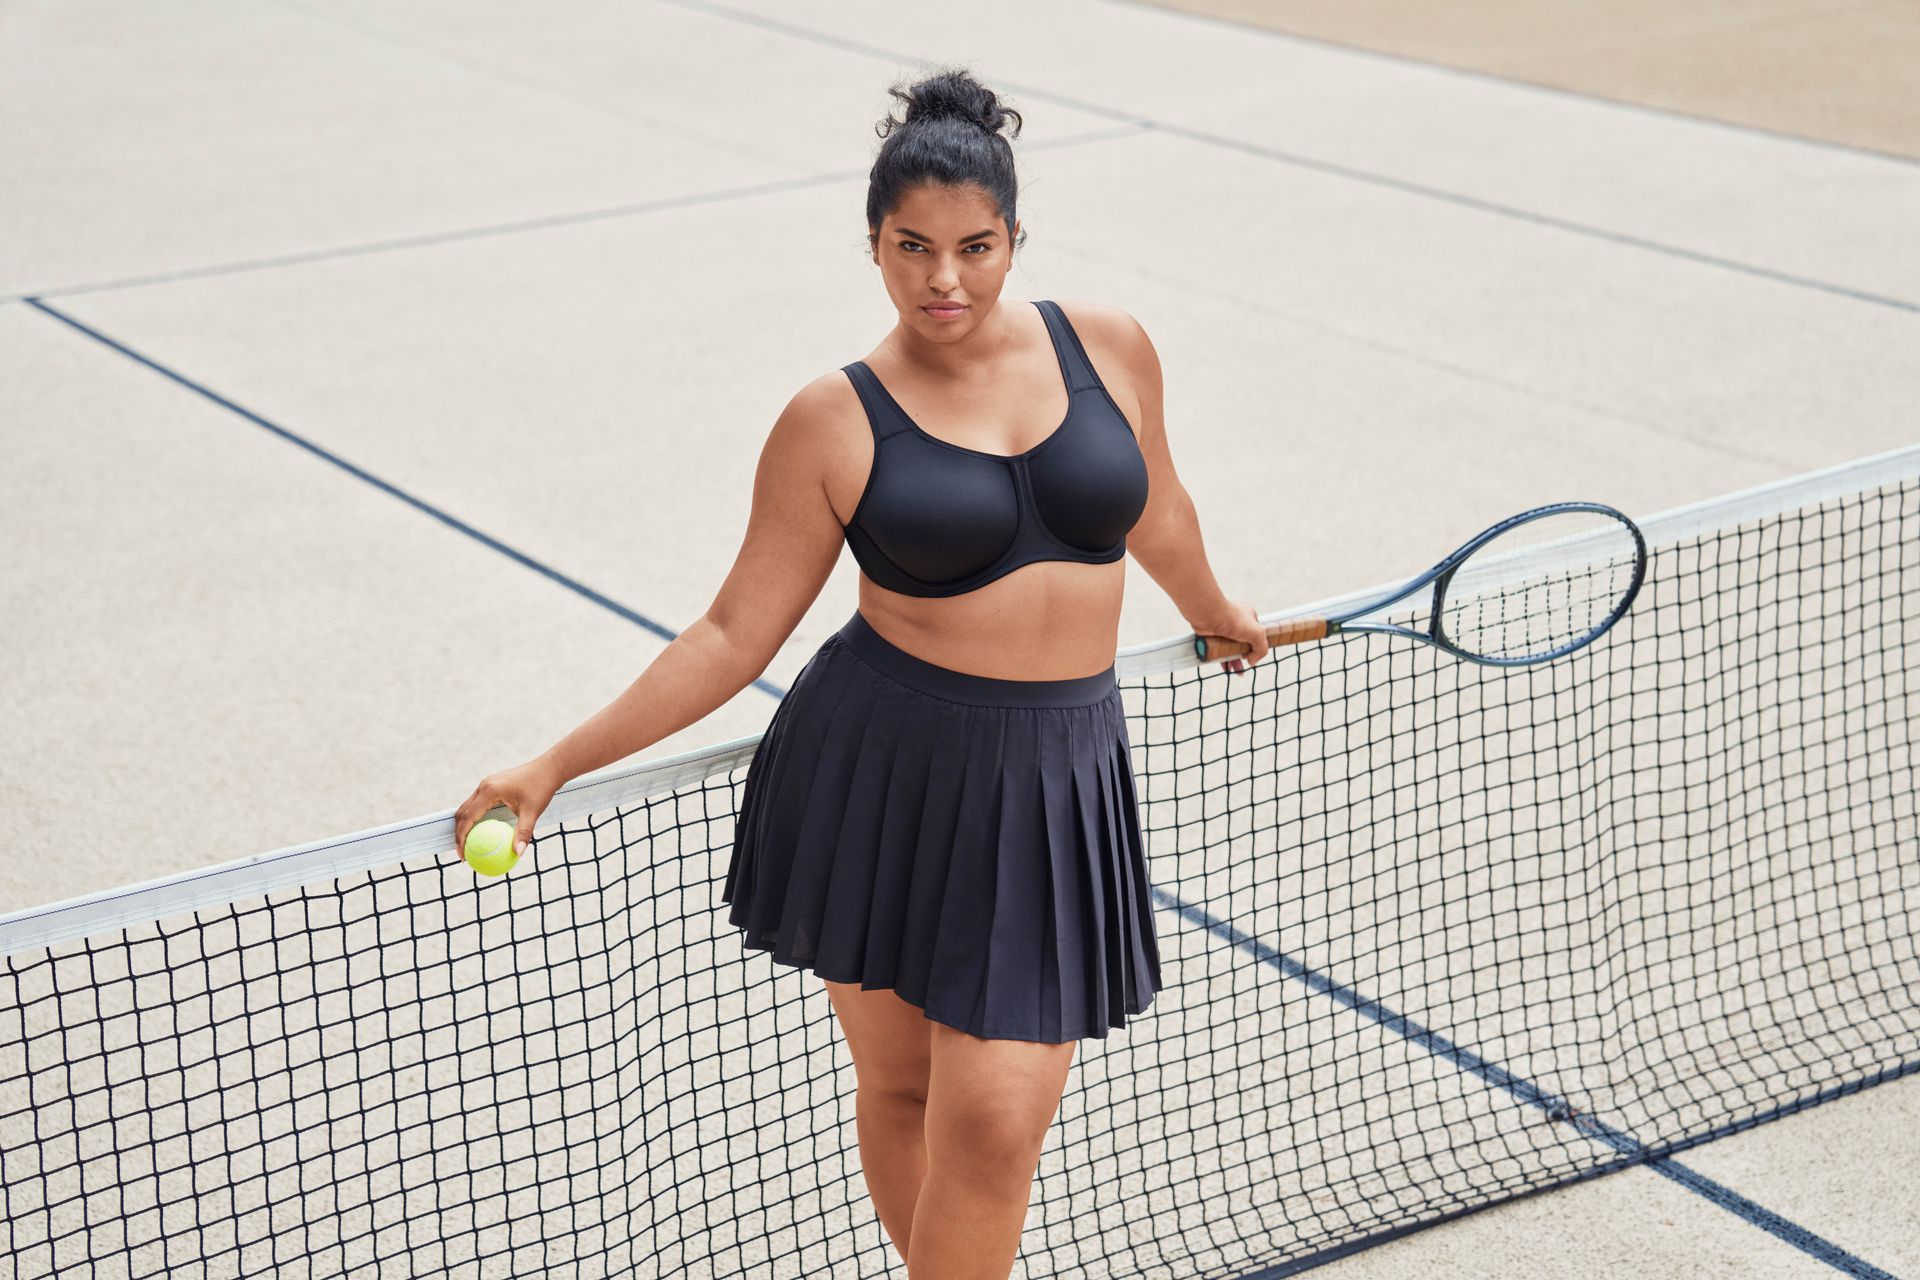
1841	71
276	278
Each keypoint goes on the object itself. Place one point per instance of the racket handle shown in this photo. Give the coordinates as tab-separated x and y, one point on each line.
1286	631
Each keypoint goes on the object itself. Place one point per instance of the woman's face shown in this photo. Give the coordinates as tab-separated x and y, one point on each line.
943	244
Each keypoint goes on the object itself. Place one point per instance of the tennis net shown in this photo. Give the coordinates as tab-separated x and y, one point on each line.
1435	935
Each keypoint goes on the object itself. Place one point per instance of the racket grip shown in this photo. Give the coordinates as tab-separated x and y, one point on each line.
1286	631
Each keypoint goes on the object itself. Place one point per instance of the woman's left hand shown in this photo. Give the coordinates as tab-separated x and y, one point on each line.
1240	621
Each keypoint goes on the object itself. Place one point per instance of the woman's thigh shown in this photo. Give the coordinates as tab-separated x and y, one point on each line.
891	1040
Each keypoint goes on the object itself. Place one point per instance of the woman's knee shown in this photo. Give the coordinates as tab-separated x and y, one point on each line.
986	1142
992	1102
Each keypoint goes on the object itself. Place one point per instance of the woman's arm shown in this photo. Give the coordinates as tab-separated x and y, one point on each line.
792	541
1166	539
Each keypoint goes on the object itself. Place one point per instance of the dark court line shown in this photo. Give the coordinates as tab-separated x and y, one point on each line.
1548	220
1523	1090
1331	168
360	473
1767	1220
432	238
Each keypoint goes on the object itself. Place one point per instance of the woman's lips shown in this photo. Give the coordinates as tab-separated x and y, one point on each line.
939	312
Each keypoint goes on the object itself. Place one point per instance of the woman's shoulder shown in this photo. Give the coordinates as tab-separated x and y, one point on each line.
822	406
821	438
1109	327
1112	337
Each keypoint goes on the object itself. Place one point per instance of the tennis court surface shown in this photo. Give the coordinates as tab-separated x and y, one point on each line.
367	367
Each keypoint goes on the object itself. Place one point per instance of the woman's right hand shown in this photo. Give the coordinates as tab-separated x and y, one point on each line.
526	789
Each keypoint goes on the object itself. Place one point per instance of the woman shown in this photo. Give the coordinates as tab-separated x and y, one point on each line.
940	820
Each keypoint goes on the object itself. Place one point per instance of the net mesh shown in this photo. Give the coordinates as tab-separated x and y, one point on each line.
1436	934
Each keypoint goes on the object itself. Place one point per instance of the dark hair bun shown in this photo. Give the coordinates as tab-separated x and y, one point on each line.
950	136
951	94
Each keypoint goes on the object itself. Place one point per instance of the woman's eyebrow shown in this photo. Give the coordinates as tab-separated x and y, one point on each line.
978	235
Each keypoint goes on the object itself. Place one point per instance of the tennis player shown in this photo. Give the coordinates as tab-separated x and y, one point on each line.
940	820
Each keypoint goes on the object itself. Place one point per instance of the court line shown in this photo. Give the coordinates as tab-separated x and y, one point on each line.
361	473
1510	82
1132	122
485	231
751	191
1767	1220
1192	286
1366	177
1555	1108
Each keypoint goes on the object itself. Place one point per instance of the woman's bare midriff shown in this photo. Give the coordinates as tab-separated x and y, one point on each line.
1050	620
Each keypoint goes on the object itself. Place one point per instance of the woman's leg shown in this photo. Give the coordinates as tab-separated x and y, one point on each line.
989	1106
891	1050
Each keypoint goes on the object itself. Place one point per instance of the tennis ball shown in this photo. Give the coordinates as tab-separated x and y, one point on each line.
490	848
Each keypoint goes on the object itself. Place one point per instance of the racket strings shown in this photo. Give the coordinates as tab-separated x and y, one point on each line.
1542	587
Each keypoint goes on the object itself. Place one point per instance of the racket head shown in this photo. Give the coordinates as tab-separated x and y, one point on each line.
1539	585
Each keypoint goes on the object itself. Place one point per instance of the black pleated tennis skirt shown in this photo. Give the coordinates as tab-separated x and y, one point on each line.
970	842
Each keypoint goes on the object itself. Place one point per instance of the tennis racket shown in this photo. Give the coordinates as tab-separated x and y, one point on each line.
1532	588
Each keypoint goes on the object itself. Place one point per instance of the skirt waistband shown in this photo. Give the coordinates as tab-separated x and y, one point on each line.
963	686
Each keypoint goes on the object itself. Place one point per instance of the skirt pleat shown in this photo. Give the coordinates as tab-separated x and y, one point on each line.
971	843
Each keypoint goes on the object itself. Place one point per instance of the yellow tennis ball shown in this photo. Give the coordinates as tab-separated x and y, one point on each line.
490	848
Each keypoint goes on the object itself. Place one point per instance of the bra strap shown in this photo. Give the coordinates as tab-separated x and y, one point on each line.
1074	365
882	417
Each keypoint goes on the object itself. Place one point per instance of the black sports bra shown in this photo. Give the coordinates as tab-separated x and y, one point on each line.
939	519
